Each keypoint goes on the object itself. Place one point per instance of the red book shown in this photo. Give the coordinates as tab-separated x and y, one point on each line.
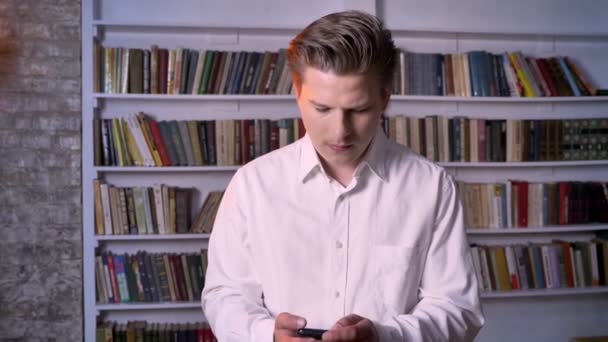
110	261
174	278
481	140
215	68
220	72
274	135
158	142
522	203
179	276
163	60
272	69
568	261
200	334
545	73
564	189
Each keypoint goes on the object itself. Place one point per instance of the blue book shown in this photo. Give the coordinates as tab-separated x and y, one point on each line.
439	77
256	75
143	275
238	73
503	202
457	142
538	267
476	72
569	76
121	278
232	73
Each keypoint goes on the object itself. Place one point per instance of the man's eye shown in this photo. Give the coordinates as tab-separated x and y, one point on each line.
322	110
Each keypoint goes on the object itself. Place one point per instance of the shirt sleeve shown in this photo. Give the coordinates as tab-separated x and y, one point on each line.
449	307
232	297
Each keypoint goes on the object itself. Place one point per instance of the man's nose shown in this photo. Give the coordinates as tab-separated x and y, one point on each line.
343	124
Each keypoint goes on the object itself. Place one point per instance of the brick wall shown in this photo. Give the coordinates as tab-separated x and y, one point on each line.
40	168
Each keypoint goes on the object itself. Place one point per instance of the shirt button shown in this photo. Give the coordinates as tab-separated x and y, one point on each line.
337	294
338	244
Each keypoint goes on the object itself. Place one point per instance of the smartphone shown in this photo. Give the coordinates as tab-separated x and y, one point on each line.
314	333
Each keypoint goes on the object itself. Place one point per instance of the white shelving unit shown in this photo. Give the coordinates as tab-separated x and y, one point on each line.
542	28
546	292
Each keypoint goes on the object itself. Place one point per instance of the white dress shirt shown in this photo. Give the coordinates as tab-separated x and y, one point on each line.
390	247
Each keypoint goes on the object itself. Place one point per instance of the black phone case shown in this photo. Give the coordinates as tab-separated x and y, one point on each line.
314	333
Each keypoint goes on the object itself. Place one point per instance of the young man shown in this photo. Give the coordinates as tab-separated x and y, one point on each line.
342	230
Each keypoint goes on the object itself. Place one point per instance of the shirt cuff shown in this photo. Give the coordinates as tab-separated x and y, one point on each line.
263	331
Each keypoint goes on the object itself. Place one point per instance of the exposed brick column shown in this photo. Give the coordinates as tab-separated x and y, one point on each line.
40	171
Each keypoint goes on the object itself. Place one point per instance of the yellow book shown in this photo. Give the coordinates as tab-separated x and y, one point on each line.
171	71
502	271
195	142
118	143
99	226
170	277
528	92
172	229
131	146
187	280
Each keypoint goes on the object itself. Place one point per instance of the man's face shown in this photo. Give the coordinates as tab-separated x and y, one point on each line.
341	114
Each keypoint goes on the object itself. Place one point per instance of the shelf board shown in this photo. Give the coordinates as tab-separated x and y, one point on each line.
404	30
148	306
130	169
545	292
571	163
189	97
397	98
185	26
498	99
397	31
148	237
232	168
538	230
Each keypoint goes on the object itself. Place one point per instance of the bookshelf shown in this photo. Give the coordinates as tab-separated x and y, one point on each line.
268	26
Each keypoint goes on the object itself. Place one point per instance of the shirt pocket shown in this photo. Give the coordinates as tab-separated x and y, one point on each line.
397	275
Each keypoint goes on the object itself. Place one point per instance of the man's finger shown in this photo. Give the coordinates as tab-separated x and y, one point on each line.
288	321
346	321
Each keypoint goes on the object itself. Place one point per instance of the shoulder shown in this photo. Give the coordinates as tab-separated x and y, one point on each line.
277	165
401	162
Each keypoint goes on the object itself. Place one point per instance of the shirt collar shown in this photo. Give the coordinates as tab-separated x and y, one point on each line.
374	159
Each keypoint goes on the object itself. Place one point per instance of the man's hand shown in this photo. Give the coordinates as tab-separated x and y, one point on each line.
353	328
285	326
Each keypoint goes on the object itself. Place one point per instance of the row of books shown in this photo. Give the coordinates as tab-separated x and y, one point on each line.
481	73
189	71
559	264
139	140
461	139
521	204
142	331
160	209
149	277
198	71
